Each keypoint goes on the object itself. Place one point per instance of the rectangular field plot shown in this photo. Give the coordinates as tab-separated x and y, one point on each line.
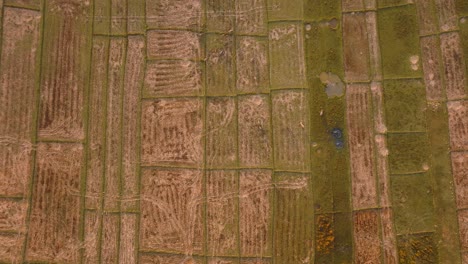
222	212
287	65
171	211
412	203
255	146
293	218
458	124
18	78
359	116
255	212
399	40
291	130
168	258
220	65
176	14
221	132
67	36
252	65
367	237
251	17
174	44
53	229
172	132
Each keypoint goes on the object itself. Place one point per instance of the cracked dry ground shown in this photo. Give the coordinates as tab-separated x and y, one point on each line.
233	131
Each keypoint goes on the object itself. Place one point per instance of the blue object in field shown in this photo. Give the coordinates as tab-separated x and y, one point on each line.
337	135
339	144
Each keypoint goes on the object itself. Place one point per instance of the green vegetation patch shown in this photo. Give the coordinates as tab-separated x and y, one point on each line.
405	104
324	52
390	3
412	203
316	10
343	238
285	10
444	197
399	39
102	15
462	7
330	165
408	152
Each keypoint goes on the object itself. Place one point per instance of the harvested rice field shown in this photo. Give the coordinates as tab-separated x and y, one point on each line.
234	131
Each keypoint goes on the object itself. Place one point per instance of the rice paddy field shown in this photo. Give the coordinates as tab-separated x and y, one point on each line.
234	131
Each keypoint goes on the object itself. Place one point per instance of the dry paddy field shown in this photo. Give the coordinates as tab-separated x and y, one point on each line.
234	131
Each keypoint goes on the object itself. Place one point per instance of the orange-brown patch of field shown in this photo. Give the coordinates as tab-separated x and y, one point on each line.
382	170
67	36
175	14
454	63
20	47
10	248
15	167
359	116
324	234
128	238
12	215
97	120
91	237
366	237
255	261
388	236
378	107
134	71
460	176
172	132
173	78
463	226
458	124
110	238
255	149
168	259
222	261
174	44
55	214
171	210
115	92
255	197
